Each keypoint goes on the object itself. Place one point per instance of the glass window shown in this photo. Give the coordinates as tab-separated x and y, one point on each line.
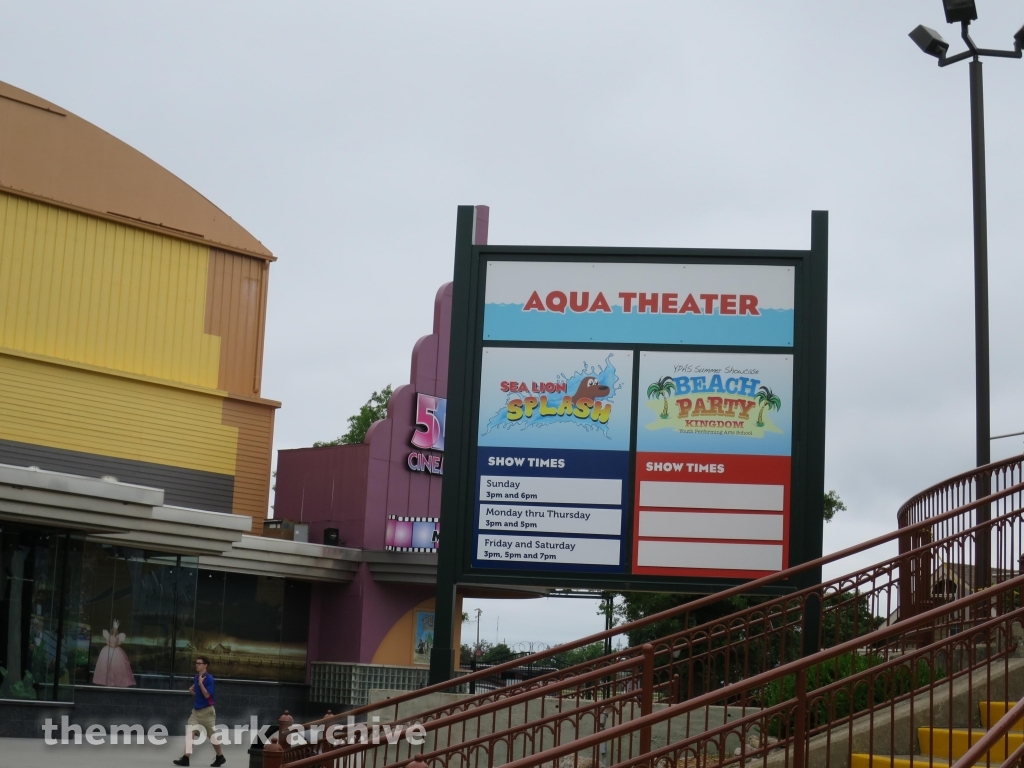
137	609
252	627
75	612
295	631
38	594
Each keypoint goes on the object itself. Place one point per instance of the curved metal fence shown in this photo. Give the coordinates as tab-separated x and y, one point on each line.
848	664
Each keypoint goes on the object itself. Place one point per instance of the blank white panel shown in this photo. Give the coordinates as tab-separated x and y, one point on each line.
711	525
708	555
655	493
550	490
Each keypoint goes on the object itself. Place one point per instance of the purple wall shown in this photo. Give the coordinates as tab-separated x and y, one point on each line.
325	487
354	488
348	622
392	488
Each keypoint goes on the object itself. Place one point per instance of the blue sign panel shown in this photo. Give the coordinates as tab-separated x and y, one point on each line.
553	458
640	303
557	510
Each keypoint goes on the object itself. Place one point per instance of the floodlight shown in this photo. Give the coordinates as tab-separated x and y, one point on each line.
929	41
1019	38
960	10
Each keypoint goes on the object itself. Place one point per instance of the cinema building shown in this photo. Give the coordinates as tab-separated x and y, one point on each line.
135	459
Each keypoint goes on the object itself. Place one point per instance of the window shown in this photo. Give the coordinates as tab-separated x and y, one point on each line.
38	633
146	615
253	627
137	614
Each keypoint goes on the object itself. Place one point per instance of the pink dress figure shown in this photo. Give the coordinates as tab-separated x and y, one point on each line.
112	667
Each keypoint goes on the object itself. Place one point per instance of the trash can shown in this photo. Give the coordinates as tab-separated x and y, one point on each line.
256	750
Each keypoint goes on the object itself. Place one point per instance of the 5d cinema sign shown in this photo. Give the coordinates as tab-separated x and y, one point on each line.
428	435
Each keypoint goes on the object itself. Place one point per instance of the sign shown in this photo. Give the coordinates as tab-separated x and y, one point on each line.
428	435
713	464
666	303
634	418
411	534
553	458
423	638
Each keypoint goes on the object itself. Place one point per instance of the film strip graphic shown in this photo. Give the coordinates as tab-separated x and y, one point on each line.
411	534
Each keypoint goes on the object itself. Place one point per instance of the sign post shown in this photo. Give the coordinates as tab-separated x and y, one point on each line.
632	419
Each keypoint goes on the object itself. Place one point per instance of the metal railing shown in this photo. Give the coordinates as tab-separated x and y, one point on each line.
808	711
887	631
527	668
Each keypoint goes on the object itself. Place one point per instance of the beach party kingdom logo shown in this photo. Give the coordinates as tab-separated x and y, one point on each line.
714	403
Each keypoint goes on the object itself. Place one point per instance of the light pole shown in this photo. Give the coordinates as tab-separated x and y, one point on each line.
608	601
931	42
476	651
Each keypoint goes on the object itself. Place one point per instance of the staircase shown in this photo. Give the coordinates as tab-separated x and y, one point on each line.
942	746
911	661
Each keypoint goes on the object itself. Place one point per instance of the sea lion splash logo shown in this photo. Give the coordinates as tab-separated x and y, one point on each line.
539	404
590	388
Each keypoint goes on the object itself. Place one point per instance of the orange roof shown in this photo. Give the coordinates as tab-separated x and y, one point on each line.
49	154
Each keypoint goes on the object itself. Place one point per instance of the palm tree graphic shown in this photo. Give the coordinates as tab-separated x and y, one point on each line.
662	388
769	401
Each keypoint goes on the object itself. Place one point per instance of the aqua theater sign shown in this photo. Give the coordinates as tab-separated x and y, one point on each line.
634	418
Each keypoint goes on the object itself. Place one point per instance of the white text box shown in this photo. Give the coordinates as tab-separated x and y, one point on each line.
655	493
711	525
593	521
553	550
710	555
550	490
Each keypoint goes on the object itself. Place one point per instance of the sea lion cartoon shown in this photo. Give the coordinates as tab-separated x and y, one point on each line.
589	388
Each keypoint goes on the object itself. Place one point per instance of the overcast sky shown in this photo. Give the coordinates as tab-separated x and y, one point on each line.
343	135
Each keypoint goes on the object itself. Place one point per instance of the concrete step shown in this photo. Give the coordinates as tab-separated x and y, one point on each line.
896	761
937	743
900	725
992	711
901	761
954	742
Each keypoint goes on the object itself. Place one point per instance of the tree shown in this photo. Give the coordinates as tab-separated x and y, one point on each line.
769	400
639	605
662	388
465	655
833	504
846	616
375	409
496	654
576	656
467	651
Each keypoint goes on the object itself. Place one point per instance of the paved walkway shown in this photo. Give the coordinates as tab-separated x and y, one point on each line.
34	753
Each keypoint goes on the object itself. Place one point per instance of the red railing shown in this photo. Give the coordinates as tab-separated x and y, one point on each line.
806	712
748	660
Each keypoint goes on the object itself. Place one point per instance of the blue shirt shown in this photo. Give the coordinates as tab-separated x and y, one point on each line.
210	683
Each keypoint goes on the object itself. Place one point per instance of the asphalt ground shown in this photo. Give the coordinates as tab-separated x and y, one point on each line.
35	753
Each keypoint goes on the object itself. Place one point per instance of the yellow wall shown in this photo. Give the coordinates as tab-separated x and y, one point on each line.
80	288
79	410
397	645
120	342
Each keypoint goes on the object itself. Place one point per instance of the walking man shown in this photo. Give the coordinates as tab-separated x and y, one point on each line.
204	715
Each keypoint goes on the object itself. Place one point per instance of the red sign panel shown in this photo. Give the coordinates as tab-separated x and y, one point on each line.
711	515
713	465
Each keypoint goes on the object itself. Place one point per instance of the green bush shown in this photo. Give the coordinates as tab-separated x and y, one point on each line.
859	695
576	656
